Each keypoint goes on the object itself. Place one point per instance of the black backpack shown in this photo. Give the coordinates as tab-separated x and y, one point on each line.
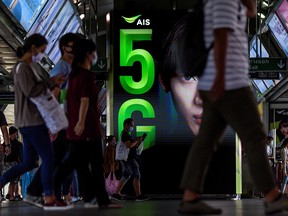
190	52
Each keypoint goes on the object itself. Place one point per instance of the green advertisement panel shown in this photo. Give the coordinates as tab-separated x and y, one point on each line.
164	105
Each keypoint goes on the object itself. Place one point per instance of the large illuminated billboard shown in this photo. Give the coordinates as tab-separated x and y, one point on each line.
46	17
25	11
168	111
282	12
279	32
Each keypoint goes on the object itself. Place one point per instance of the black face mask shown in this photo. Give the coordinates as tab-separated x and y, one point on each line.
70	52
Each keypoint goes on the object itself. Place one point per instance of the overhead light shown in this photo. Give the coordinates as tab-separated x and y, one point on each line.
108	17
82	16
262	16
264	4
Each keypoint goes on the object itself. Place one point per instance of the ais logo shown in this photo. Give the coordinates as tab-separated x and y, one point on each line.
142	22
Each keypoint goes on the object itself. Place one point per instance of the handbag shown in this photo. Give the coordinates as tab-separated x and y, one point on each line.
111	183
51	111
121	151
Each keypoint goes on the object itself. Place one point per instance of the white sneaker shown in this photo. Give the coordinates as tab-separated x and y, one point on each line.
34	200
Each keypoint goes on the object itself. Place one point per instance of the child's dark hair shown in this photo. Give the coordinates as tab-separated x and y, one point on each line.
127	121
164	46
35	39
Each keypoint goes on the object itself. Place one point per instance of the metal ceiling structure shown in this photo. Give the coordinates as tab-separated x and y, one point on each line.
93	14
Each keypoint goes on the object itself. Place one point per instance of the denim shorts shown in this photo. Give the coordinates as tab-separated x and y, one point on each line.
130	168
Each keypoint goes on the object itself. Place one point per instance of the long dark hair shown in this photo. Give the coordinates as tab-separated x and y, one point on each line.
35	39
283	122
109	138
80	49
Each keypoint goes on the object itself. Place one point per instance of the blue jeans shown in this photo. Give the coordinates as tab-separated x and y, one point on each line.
36	142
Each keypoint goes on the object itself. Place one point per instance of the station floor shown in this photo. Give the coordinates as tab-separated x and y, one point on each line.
153	207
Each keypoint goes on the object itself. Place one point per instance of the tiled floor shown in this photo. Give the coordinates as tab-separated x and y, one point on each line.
154	207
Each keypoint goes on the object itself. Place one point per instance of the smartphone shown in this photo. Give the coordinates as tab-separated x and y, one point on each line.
144	136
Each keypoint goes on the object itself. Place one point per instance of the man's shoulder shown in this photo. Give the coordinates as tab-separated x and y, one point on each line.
62	67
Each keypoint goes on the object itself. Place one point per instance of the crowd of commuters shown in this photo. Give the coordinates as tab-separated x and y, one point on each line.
59	142
224	93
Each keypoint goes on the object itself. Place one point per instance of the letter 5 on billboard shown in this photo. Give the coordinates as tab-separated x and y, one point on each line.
134	75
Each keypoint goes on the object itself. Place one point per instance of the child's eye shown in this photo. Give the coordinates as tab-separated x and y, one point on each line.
188	78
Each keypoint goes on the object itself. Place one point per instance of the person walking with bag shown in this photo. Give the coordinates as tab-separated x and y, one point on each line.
29	121
130	167
84	130
60	143
111	165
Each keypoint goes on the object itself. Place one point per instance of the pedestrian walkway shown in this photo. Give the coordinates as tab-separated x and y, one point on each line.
155	207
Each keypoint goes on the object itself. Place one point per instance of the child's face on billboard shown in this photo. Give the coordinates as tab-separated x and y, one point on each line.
187	100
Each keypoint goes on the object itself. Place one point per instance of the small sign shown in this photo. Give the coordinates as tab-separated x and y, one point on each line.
101	65
268	64
264	75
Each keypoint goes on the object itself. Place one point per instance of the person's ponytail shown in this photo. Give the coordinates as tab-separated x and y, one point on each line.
20	51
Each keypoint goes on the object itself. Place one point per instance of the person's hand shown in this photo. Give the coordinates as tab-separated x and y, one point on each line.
59	79
53	136
56	91
218	88
139	139
7	150
79	128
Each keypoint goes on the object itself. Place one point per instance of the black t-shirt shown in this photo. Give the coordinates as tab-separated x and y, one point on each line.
127	137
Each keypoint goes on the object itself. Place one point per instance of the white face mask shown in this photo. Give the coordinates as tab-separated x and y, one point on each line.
130	129
94	60
38	57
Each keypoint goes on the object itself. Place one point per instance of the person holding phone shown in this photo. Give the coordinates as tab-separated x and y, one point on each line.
130	168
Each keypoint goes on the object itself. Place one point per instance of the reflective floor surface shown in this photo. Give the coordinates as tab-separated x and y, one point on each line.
244	207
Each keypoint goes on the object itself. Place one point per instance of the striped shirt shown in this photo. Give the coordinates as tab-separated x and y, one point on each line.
229	14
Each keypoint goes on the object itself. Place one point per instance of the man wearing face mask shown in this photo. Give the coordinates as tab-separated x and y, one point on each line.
130	168
60	142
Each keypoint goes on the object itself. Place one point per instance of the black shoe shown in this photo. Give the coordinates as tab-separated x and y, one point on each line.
142	198
279	205
117	197
18	198
197	207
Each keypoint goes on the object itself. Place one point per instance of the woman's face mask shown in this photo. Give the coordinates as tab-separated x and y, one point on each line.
94	60
38	57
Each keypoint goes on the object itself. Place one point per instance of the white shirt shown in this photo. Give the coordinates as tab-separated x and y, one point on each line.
229	14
